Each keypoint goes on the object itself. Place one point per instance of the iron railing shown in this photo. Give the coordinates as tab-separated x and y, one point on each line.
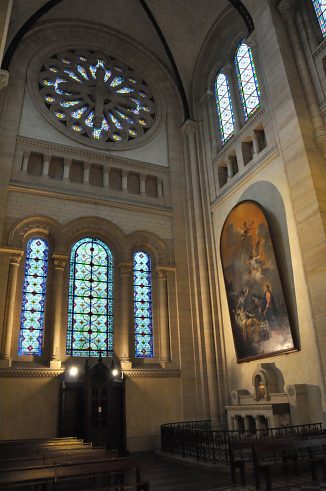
196	439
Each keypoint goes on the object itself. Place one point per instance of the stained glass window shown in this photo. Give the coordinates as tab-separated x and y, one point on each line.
143	305
90	300
96	96
247	79
34	292
224	107
320	8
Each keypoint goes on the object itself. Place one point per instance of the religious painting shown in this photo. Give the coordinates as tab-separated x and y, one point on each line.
257	307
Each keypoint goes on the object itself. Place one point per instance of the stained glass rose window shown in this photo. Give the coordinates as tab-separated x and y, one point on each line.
96	96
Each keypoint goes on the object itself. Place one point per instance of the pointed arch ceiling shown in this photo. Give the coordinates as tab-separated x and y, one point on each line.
173	31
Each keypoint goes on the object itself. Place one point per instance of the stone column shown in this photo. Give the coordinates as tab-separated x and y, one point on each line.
26	156
14	263
236	423
124	182
142	178
66	169
125	270
258	422
239	155
165	352
106	177
46	165
5	12
229	165
246	423
206	325
59	263
287	10
210	104
87	168
255	142
232	419
159	185
230	75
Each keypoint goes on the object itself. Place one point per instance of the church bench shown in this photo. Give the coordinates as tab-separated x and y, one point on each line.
52	475
40	449
266	456
56	458
292	455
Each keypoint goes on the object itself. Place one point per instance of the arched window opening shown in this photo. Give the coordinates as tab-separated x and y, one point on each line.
34	293
224	107
90	301
320	9
143	314
247	79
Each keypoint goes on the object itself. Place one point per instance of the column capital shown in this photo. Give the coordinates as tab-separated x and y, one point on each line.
4	78
16	258
67	160
161	274
124	172
286	8
208	95
125	268
59	261
190	127
228	68
47	157
251	40
26	154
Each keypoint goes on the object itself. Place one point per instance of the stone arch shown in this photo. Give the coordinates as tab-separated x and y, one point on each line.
217	51
44	226
100	228
155	246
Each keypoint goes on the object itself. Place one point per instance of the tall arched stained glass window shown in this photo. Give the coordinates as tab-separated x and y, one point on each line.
34	292
90	301
320	8
143	316
247	79
224	107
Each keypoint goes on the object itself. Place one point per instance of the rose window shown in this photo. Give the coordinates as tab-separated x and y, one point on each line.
96	96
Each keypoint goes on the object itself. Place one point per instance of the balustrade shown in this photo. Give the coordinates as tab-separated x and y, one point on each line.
243	150
112	179
196	439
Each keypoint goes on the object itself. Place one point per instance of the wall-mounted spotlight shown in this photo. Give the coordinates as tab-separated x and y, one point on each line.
115	372
73	371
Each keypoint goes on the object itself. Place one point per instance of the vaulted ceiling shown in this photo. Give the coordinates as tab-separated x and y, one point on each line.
174	30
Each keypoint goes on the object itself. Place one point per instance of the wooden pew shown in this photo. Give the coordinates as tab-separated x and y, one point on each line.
37	450
57	458
53	474
270	456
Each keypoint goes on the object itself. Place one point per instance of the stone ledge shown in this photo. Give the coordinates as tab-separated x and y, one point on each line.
30	373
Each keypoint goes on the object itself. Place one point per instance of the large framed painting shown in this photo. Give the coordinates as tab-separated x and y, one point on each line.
258	312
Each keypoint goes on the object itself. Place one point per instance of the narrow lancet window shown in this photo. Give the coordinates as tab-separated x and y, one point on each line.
247	79
90	302
320	9
143	316
34	293
224	107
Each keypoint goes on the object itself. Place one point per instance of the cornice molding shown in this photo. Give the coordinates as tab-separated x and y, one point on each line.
90	156
243	178
244	130
148	373
30	373
48	373
165	211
